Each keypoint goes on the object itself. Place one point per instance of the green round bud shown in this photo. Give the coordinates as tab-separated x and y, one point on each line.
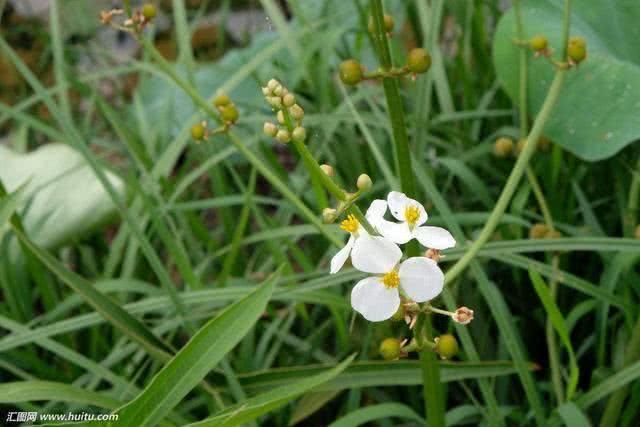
390	348
538	231
364	182
280	117
149	11
283	136
296	112
288	100
446	346
398	316
389	23
270	129
577	49
503	147
418	60
197	131
538	43
221	100
299	134
229	113
636	232
351	72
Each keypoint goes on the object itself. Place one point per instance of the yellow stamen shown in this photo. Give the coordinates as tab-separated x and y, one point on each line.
391	279
350	224
411	214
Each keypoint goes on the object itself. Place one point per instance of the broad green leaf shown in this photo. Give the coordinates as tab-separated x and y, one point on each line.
31	391
596	115
559	324
376	412
195	360
108	308
62	197
259	405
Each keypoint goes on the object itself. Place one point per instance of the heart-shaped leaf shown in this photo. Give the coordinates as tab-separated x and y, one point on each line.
62	197
597	113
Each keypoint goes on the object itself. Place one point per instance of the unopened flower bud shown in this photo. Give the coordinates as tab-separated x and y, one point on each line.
280	117
229	113
577	49
390	348
446	346
364	182
503	147
296	112
283	136
328	169
278	91
266	91
299	134
538	43
463	316
418	60
351	72
270	129
221	100
197	131
275	101
329	215
149	11
538	231
273	84
388	24
288	100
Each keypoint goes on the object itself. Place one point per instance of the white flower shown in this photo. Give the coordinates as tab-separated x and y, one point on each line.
377	297
351	225
412	215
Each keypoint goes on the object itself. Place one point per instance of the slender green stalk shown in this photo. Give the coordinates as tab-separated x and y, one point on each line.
433	392
542	201
631	219
514	178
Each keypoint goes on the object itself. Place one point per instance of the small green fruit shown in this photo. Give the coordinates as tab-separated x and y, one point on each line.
351	72
390	349
446	346
149	11
197	131
577	49
221	100
538	43
503	147
418	60
229	113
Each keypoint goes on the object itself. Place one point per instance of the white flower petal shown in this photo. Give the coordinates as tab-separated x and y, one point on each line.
398	204
371	298
421	278
434	237
374	254
376	211
340	258
397	232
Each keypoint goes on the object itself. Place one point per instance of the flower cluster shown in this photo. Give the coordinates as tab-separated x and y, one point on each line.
418	279
289	114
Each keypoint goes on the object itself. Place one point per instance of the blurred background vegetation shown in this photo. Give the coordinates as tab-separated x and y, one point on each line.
201	225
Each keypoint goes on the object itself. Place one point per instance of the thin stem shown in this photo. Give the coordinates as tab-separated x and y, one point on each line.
513	180
552	345
542	201
632	206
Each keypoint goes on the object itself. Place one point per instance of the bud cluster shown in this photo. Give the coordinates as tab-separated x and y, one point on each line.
576	50
288	114
227	109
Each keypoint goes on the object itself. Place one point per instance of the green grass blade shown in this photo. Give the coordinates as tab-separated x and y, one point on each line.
377	412
30	391
194	361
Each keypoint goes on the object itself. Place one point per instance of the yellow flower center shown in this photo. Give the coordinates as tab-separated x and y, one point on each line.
350	224
411	214
391	279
